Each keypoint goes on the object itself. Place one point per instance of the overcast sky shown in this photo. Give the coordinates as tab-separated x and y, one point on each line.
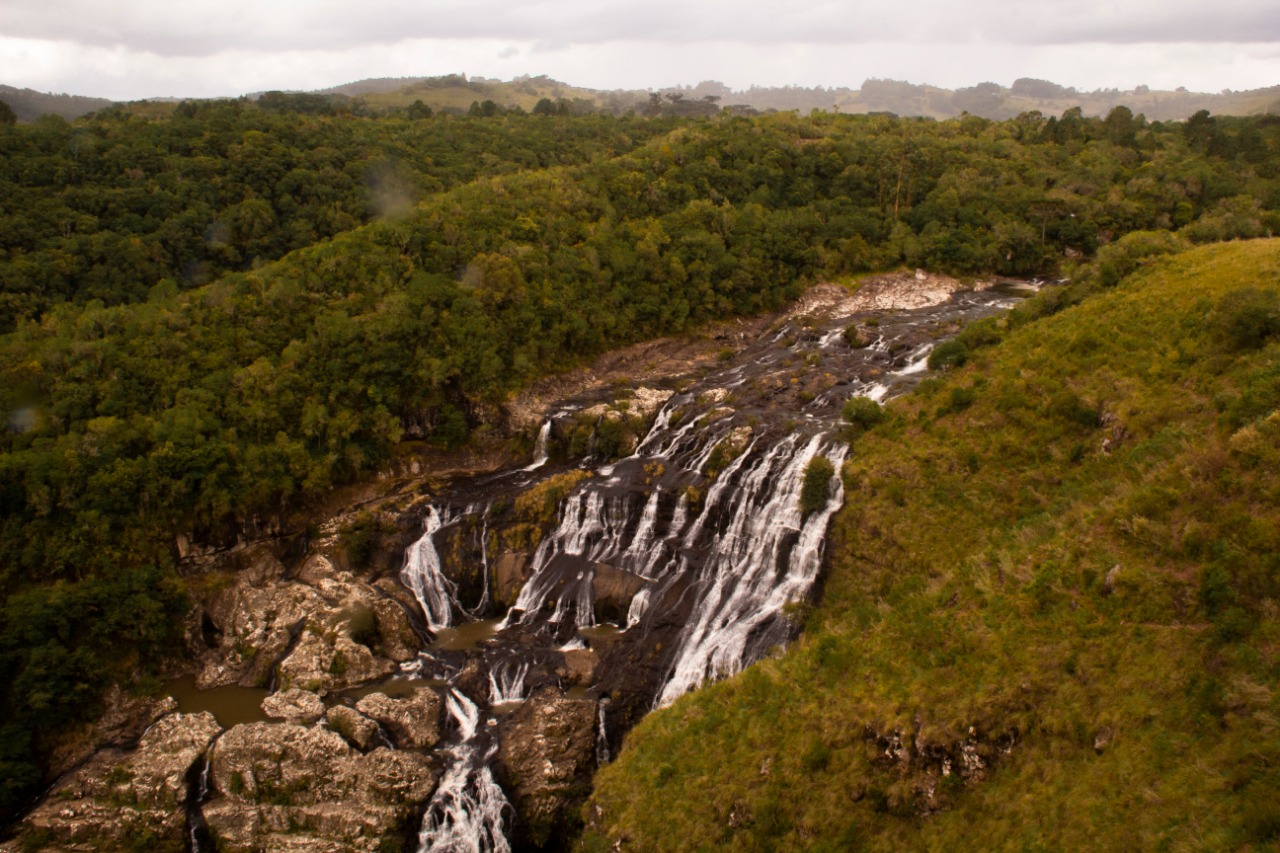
131	49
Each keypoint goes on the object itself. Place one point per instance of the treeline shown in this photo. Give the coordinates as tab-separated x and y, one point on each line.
112	207
197	411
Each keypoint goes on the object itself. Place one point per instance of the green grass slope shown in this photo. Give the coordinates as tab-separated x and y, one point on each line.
1051	616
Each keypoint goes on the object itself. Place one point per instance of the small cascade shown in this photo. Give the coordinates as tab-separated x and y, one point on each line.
199	839
540	451
468	812
639	607
422	574
917	362
506	681
602	735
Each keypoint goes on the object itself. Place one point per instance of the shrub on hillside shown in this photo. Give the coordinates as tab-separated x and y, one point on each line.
817	478
947	355
1245	319
862	412
1119	259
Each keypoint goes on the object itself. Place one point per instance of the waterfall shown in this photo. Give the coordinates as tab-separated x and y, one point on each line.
766	557
506	681
917	362
423	576
468	811
540	454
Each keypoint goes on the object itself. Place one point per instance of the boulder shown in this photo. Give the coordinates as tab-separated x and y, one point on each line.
647	401
396	638
546	755
359	730
294	706
412	722
322	661
284	787
613	590
580	665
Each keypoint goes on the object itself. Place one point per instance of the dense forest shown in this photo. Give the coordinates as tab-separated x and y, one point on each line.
215	317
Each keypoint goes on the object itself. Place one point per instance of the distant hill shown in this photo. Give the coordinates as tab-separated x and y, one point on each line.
988	100
457	92
28	104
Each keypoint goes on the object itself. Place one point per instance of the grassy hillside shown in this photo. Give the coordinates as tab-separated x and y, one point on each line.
1051	616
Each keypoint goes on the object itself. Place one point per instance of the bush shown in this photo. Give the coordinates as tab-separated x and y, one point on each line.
1067	406
1245	319
862	412
958	400
817	478
947	355
982	333
1117	260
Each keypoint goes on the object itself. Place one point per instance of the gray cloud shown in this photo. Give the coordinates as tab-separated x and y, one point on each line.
207	27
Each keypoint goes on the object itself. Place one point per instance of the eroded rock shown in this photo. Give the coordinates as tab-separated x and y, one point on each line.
285	787
412	722
296	706
302	630
359	730
115	798
546	754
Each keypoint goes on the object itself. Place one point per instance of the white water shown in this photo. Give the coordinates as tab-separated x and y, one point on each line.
540	454
750	576
918	362
602	736
506	681
422	574
468	812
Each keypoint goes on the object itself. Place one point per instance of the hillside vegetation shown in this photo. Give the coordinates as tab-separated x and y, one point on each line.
1051	616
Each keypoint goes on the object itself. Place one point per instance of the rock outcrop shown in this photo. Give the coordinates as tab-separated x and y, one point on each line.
294	706
314	632
360	731
412	722
284	787
546	755
117	800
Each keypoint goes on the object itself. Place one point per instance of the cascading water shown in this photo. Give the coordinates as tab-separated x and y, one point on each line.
540	448
506	681
468	812
766	558
422	574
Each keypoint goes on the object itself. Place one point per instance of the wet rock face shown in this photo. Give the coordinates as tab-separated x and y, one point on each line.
546	755
115	799
412	722
285	787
